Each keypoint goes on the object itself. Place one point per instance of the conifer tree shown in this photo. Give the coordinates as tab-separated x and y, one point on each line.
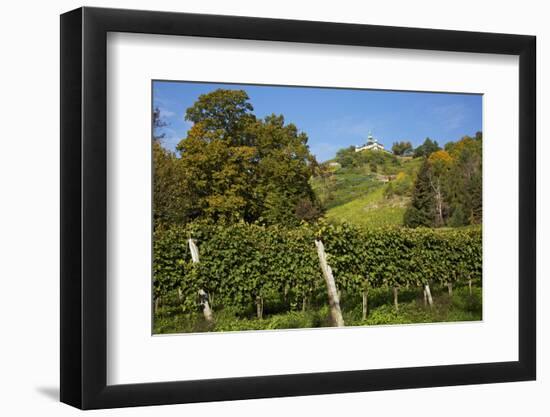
421	212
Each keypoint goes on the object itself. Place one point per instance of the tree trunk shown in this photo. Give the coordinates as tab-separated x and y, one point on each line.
470	285
333	300
438	201
429	294
157	304
203	296
304	303
365	304
395	299
450	288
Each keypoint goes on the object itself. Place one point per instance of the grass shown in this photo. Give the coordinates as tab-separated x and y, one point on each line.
348	185
373	209
460	307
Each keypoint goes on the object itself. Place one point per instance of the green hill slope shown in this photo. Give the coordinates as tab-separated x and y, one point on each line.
358	193
373	209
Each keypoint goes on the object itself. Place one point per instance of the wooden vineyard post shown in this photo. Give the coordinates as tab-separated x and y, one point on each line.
366	298
333	300
203	296
450	288
395	298
470	284
365	303
425	296
428	294
259	307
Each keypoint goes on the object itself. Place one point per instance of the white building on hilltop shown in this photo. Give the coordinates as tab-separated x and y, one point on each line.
371	145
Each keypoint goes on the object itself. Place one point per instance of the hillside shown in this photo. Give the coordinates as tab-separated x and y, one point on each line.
370	189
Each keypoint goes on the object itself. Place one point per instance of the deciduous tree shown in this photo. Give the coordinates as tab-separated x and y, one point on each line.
402	148
235	167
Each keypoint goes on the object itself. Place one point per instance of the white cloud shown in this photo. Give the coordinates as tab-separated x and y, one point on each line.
165	113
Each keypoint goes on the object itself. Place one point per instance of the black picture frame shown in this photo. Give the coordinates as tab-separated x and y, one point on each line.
84	207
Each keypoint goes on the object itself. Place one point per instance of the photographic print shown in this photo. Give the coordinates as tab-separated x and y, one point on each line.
288	207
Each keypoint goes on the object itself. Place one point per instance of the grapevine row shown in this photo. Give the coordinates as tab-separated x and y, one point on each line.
242	263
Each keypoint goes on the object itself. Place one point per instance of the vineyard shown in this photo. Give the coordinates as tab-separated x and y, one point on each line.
262	273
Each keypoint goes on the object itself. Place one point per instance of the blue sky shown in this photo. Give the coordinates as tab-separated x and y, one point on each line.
336	118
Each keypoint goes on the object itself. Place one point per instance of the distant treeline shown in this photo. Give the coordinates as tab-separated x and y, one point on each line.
446	190
448	187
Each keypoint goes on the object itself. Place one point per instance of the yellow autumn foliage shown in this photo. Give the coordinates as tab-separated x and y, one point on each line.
440	156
